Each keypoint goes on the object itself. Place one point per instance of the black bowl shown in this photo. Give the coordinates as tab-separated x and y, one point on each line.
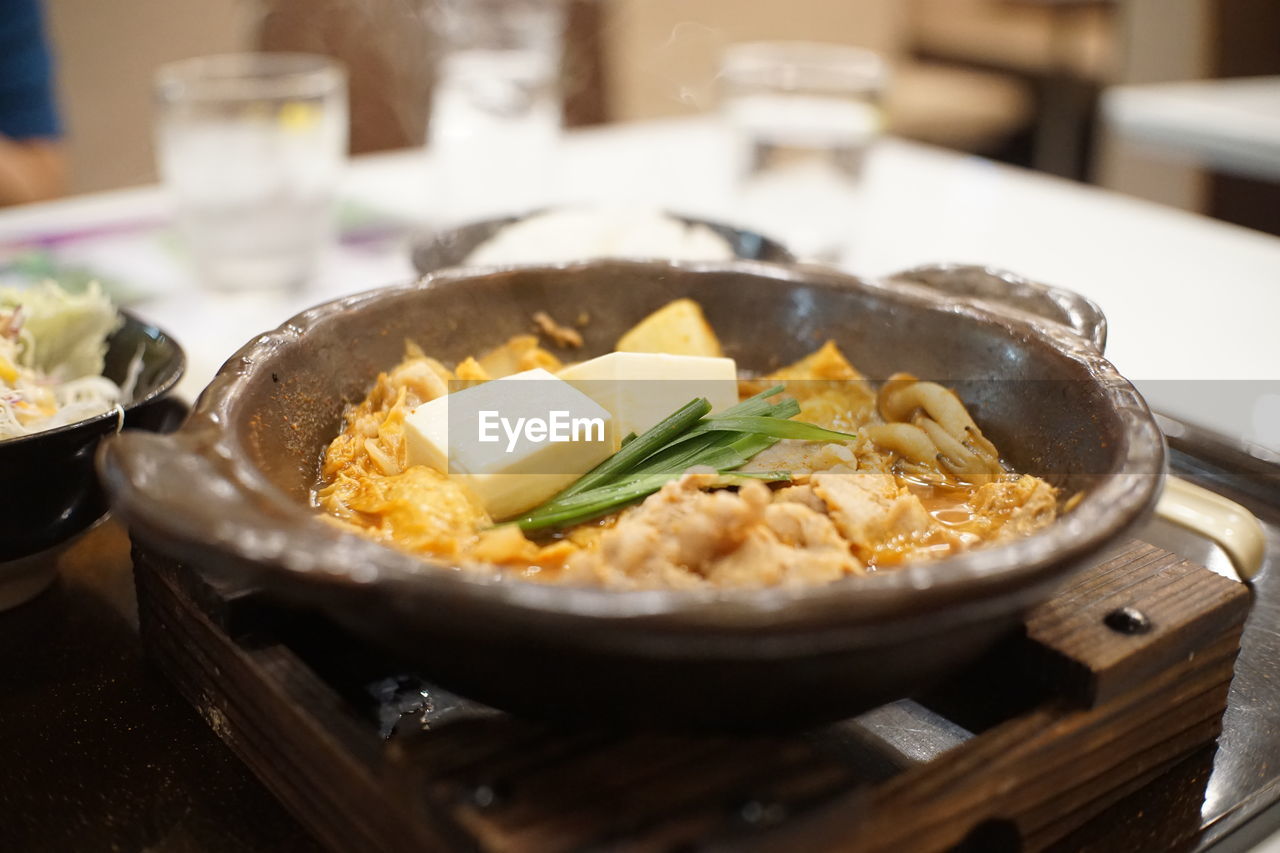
50	491
439	250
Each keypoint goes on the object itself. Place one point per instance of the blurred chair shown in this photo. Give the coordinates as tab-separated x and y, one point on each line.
958	107
1032	37
386	46
1064	50
660	59
389	49
1180	40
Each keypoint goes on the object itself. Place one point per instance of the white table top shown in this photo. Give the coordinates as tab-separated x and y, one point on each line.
1192	303
1233	125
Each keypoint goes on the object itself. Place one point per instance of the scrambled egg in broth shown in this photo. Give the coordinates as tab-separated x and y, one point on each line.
919	481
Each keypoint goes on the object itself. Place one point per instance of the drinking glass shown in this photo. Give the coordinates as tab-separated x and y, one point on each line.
252	147
804	115
495	109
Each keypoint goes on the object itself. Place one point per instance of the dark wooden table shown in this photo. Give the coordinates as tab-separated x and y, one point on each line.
99	752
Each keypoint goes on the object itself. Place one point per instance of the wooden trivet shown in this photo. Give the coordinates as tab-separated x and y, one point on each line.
1120	676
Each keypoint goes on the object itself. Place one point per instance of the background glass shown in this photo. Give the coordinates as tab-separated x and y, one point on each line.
495	112
805	115
252	148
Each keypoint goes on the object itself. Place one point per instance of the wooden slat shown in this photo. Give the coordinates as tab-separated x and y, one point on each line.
711	778
321	783
1038	769
1185	604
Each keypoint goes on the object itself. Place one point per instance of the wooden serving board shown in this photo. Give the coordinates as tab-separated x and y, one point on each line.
1123	674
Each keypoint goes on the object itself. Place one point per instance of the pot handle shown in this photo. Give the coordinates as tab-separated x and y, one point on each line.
149	477
1220	520
1064	307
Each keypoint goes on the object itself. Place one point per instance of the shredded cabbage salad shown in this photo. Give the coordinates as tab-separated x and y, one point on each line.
52	345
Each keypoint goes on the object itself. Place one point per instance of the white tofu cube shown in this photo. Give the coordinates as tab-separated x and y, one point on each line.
641	388
514	441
